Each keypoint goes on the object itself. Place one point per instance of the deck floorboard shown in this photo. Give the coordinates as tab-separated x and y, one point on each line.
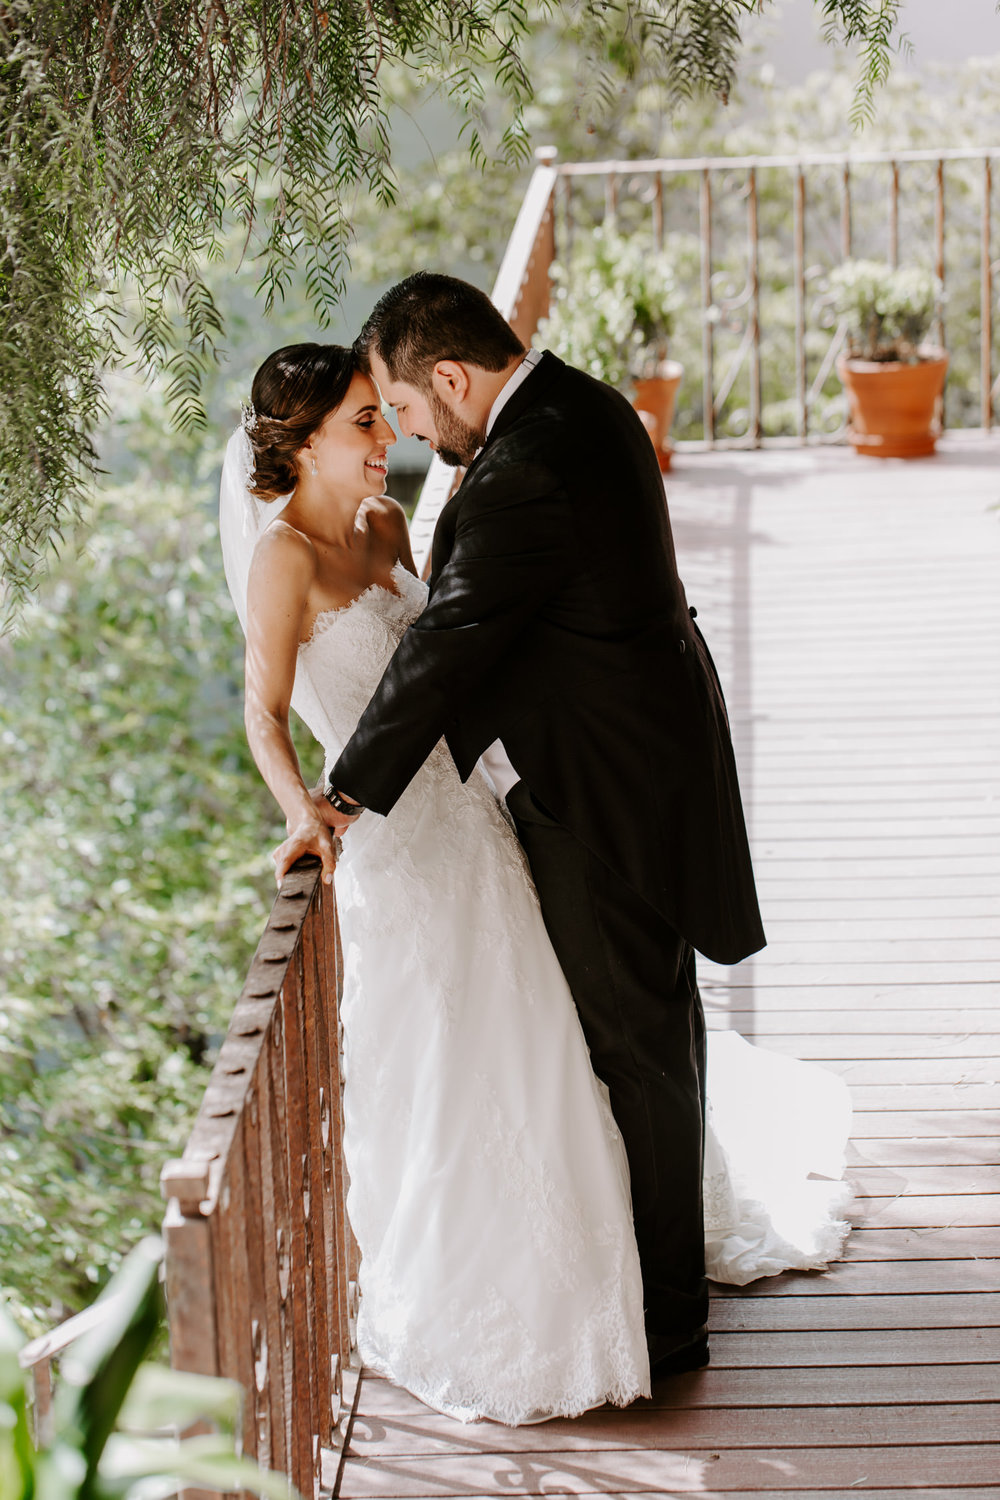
854	613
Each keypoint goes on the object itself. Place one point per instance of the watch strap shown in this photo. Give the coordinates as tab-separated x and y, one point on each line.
340	804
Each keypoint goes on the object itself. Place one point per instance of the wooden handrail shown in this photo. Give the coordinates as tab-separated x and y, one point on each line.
521	292
37	1356
45	1348
260	1261
625	168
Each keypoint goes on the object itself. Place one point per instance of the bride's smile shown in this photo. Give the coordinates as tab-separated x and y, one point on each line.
347	454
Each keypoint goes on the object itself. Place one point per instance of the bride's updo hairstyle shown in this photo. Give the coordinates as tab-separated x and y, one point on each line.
294	391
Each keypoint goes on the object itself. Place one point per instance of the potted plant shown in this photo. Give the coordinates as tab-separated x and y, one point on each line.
612	312
892	378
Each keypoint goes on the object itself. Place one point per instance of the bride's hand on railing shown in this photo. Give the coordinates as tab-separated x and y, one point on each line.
310	834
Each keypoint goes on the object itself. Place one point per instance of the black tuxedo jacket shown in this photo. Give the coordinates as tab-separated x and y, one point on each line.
557	623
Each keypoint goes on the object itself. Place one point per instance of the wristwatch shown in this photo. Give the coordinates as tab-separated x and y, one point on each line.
341	804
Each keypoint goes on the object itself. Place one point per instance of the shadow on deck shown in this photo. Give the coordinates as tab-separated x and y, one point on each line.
854	611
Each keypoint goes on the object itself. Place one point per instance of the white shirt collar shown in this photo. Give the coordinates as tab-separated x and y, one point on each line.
518	378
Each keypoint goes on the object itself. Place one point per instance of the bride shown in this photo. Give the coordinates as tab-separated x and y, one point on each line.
489	1186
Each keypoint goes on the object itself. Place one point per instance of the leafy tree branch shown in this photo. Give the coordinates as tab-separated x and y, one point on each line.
137	133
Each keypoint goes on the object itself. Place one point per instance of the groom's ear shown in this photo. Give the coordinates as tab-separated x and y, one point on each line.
450	381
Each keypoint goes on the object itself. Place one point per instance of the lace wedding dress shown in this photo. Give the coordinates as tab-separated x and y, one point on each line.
489	1187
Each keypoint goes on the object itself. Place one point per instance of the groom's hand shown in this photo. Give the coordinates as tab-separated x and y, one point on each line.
311	834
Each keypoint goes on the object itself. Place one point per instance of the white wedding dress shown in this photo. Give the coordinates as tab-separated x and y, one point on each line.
489	1188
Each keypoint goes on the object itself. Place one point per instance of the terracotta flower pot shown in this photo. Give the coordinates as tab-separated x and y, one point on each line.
893	407
654	401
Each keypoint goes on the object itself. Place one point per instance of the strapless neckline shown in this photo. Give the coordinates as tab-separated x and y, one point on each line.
325	615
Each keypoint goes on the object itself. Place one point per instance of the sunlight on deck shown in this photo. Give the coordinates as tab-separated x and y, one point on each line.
853	608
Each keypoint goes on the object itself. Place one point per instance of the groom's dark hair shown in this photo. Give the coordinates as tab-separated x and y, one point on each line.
429	317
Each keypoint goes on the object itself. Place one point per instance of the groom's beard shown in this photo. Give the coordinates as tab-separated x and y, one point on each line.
457	442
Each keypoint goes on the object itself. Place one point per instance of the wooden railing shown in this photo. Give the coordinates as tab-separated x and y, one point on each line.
260	1262
40	1354
521	292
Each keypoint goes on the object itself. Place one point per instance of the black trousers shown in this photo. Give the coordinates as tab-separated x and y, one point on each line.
633	979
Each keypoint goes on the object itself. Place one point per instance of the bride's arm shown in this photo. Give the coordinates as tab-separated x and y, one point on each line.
282	570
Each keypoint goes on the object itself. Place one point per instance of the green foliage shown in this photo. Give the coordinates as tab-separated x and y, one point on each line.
872	25
135	825
138	829
888	310
16	1456
106	1397
99	1369
613	305
136	136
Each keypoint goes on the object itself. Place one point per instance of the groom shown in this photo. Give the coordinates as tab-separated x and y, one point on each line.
557	624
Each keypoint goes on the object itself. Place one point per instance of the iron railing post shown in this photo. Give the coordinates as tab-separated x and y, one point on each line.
894	214
707	321
753	251
799	259
939	267
986	302
846	219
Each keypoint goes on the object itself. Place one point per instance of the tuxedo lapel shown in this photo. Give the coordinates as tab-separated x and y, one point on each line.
527	393
530	391
444	536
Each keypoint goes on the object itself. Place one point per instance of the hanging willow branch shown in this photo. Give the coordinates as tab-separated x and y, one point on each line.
872	26
134	131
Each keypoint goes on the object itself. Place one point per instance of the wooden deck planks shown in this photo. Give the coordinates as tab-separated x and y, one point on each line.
948	1181
836	1311
674	1471
730	1428
854	612
868	1273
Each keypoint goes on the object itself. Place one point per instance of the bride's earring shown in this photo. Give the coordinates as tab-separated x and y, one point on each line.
314	469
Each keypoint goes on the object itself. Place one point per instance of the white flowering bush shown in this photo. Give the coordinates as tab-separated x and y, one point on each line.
889	309
613	306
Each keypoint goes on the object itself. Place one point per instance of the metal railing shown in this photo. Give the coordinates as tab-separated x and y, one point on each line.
754	239
260	1262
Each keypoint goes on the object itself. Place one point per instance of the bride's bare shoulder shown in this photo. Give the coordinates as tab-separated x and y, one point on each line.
387	518
283	540
284	559
385	513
